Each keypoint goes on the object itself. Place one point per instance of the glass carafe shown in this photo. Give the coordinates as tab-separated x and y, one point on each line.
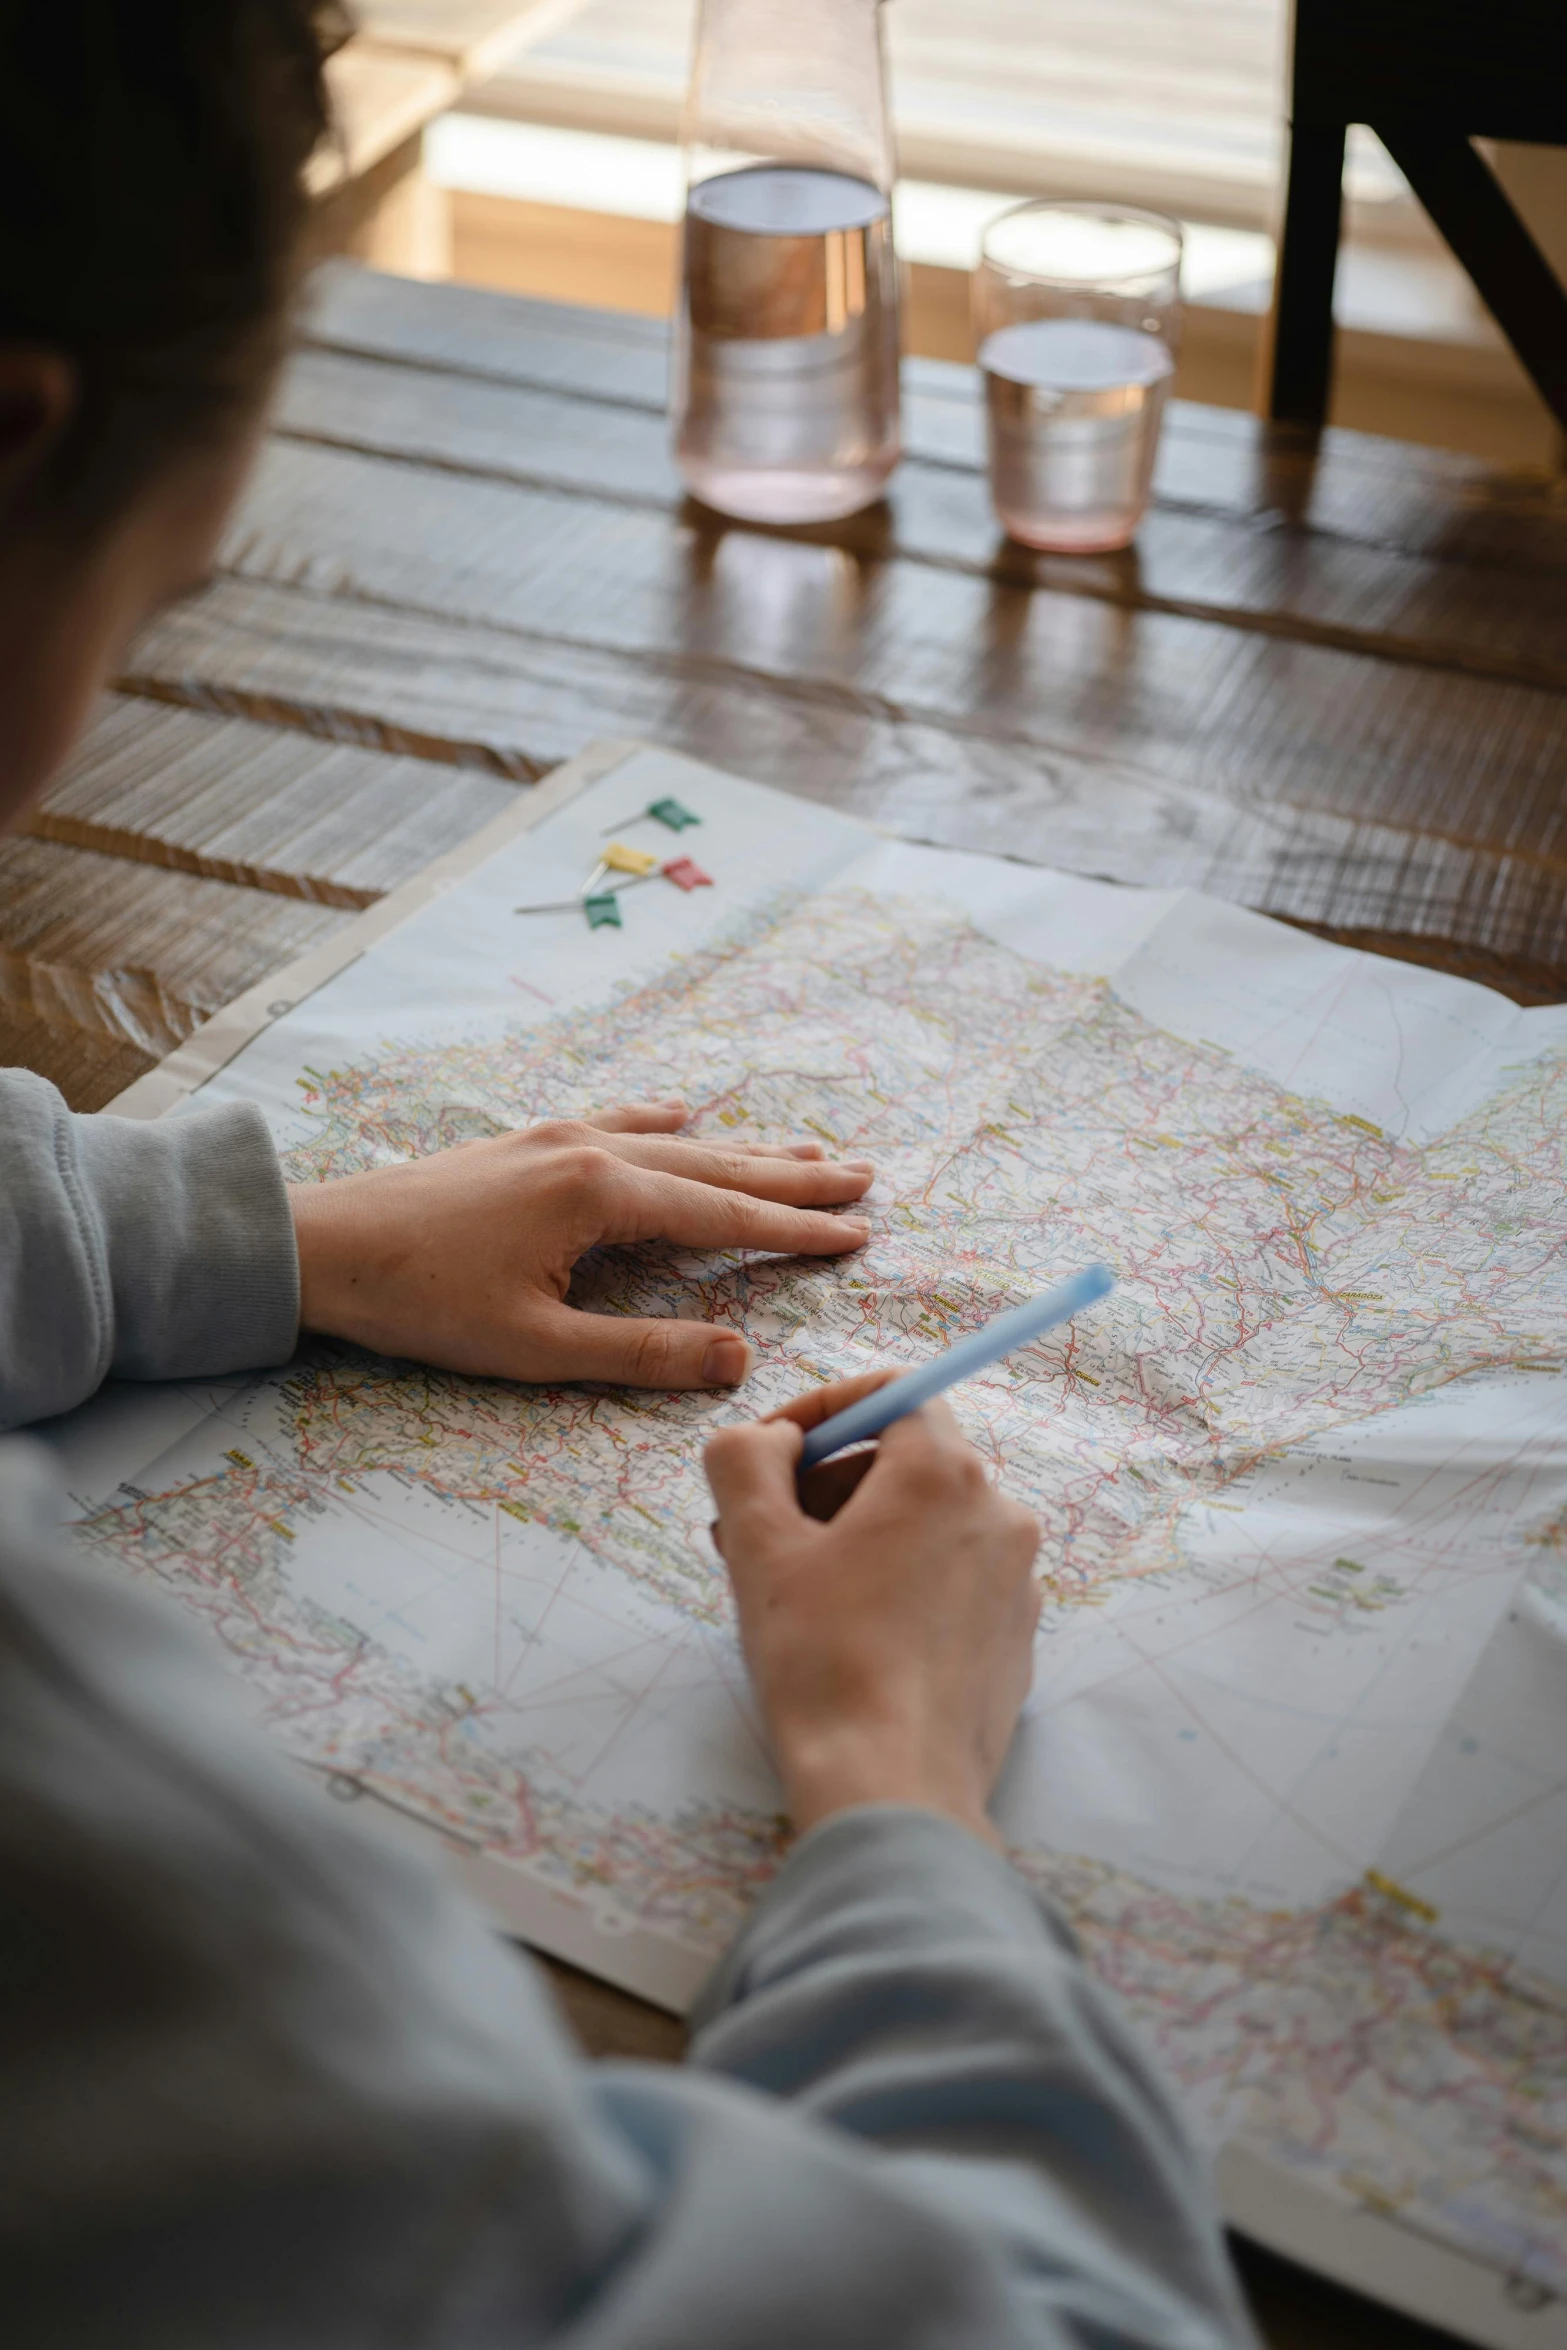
784	398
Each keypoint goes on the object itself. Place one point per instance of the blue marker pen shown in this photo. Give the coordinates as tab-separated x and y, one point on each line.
977	1352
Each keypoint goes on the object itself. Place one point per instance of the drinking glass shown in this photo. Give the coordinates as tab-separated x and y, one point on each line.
784	393
1077	318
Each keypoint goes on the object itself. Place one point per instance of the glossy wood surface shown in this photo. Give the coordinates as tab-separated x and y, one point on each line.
1328	683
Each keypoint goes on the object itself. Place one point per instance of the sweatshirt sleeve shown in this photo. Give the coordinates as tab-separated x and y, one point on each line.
150	1251
901	1983
269	2081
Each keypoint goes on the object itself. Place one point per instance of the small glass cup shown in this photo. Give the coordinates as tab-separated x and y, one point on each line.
1077	319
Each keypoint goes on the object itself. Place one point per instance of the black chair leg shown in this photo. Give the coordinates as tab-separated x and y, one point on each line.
1511	275
1301	366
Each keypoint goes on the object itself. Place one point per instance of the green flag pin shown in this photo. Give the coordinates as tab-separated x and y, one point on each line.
674	813
671	812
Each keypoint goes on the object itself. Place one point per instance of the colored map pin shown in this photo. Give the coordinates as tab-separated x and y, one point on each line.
685	873
671	812
603	912
620	859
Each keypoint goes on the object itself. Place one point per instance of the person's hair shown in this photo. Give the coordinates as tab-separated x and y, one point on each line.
151	207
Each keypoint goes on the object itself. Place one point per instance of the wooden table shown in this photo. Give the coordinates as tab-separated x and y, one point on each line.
1331	686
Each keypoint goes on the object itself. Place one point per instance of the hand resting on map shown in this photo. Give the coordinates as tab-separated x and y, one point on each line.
892	1647
464	1258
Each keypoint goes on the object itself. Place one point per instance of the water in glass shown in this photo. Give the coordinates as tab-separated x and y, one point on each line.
787	388
1073	408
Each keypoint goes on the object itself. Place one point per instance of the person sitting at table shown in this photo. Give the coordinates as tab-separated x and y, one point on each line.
267	2081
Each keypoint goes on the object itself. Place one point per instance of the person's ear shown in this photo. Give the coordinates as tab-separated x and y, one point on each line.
37	401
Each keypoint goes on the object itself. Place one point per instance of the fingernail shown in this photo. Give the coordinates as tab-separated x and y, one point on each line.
861	1166
855	1226
726	1362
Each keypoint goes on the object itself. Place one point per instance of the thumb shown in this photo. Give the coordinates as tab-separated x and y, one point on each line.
751	1471
626	1352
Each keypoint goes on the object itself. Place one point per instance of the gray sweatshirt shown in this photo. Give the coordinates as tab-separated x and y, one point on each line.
267	2082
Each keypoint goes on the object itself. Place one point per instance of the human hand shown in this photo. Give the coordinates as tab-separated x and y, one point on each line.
892	1647
464	1258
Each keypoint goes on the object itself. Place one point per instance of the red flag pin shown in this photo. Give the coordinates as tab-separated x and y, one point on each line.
686	873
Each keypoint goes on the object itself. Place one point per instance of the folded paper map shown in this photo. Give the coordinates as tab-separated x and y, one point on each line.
1296	1764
